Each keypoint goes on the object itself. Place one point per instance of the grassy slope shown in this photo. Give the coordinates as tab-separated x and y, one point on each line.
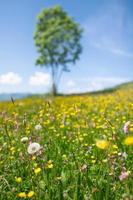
124	86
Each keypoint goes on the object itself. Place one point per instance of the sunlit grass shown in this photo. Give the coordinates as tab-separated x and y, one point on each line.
67	148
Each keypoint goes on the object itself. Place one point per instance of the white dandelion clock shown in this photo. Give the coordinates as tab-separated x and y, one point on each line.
33	148
38	127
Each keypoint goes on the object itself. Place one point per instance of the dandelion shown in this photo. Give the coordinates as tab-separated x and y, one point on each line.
129	140
50	164
33	157
38	127
33	148
123	175
115	146
37	170
126	127
93	161
22	195
19	180
31	194
102	144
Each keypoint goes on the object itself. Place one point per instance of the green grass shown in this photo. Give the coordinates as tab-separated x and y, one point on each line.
70	164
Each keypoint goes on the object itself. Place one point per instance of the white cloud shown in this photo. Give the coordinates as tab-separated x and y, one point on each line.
95	83
40	79
10	78
99	83
71	83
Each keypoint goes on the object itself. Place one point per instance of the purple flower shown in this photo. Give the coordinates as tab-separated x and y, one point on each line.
123	175
126	127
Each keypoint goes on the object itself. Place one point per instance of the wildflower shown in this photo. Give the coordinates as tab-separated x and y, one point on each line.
84	168
22	195
31	194
115	146
89	149
104	160
102	144
11	157
114	152
124	155
38	127
126	127
24	139
129	140
33	157
93	161
37	170
50	164
19	180
64	156
123	175
33	148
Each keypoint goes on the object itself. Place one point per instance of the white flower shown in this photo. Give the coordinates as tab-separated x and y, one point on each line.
33	148
124	155
24	139
38	127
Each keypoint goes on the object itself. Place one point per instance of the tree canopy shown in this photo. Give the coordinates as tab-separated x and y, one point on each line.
57	38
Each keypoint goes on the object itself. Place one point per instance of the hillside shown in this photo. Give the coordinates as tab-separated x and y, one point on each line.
72	147
123	86
128	85
8	96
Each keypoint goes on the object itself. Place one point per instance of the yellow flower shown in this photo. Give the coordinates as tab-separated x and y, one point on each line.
129	140
93	161
114	152
50	164
115	146
31	194
11	157
102	144
22	195
131	129
33	157
50	161
64	156
19	180
37	170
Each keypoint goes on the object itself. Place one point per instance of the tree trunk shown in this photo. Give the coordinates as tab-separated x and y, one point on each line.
54	89
54	86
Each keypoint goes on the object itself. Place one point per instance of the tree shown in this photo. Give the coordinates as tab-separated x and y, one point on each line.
57	38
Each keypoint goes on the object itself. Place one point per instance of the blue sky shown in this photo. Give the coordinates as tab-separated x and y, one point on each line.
107	57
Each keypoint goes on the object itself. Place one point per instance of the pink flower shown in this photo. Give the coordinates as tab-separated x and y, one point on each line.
123	175
126	127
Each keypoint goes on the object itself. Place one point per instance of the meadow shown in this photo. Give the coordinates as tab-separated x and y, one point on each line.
74	148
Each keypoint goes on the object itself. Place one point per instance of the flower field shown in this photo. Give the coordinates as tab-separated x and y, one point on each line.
75	148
